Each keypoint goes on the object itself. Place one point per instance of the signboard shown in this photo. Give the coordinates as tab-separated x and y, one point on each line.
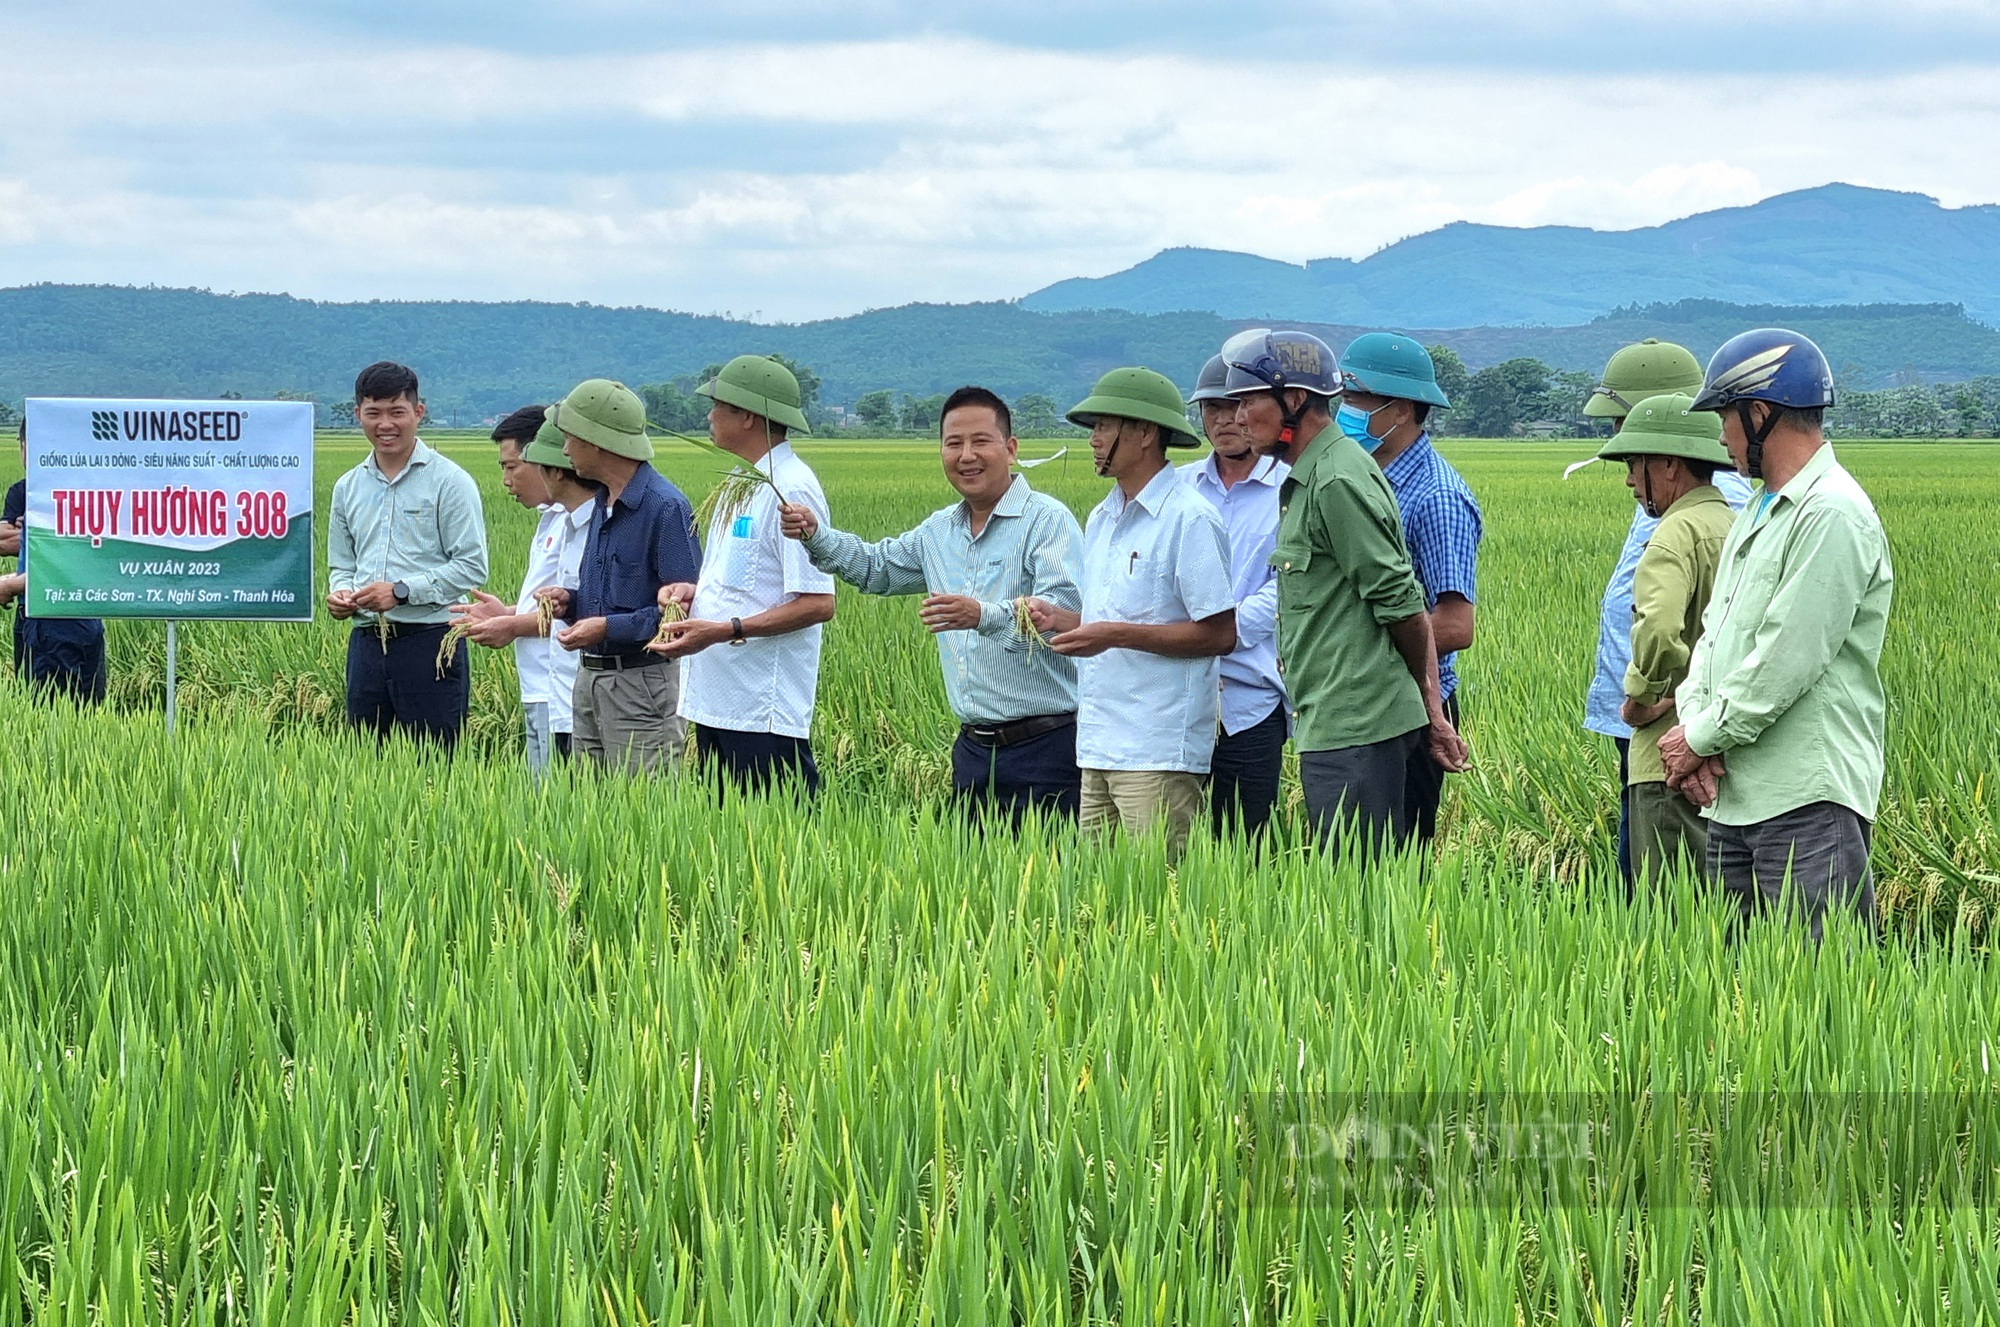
170	509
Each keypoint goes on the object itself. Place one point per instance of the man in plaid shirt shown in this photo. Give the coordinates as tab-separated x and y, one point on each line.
1388	390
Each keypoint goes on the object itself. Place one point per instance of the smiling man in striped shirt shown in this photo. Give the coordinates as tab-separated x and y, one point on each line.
1014	697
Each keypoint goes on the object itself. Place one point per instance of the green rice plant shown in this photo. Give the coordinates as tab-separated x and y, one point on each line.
736	487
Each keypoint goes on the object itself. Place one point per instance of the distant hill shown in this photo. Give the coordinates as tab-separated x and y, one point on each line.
1838	244
479	360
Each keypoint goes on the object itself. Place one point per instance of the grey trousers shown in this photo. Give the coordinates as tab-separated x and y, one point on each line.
1811	859
1355	796
1667	832
625	721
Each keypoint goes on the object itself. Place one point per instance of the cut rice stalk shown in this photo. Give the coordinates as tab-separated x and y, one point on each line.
545	615
671	613
1024	622
448	647
382	630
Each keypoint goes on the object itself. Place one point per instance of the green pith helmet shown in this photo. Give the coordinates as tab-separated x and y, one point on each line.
1138	394
762	386
546	447
606	414
1650	368
1384	364
1664	426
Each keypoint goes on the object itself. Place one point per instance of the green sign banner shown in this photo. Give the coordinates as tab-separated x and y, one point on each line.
169	509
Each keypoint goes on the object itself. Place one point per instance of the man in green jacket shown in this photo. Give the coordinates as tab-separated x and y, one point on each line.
1354	633
1671	456
1782	715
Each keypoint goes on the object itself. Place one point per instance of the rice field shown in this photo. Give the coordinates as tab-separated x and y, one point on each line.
290	1032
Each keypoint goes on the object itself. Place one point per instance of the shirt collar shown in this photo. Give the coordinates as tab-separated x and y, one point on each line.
1816	468
1265	472
1410	459
420	454
1153	496
633	496
1700	496
579	518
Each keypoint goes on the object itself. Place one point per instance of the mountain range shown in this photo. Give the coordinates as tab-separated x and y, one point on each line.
1896	288
1837	244
478	360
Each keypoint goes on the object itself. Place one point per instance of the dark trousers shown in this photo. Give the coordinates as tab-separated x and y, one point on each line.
1809	860
1624	746
1243	775
755	762
60	656
398	688
1423	783
1356	796
1039	773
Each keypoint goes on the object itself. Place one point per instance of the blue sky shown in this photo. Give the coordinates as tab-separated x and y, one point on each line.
790	160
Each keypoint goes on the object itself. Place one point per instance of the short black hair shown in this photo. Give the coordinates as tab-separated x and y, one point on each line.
1810	419
978	396
385	380
522	425
1704	471
1420	411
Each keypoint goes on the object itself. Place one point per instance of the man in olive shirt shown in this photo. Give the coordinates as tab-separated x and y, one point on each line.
1782	716
1671	456
1354	636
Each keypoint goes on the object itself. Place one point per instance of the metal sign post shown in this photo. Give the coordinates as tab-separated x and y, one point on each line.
170	677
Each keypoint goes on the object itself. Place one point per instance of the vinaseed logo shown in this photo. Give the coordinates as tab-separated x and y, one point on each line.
104	425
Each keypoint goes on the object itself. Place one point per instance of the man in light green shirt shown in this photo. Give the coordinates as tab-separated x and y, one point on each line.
1782	716
1670	456
406	540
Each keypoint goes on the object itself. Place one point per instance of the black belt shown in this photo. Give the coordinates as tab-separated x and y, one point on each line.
1013	731
397	630
618	663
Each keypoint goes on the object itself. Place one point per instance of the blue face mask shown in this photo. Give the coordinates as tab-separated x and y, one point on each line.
1352	420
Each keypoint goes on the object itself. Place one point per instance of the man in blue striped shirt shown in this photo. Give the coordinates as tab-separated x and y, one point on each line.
1389	387
1014	697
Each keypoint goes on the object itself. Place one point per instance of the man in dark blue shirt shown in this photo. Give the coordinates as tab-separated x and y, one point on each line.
52	653
641	537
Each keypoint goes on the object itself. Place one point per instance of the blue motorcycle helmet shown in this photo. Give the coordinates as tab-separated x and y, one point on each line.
1781	368
1261	360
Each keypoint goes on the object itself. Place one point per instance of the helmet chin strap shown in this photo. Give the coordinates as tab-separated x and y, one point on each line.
1755	435
1646	487
1290	418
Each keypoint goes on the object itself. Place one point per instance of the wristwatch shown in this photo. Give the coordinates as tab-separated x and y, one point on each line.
401	589
736	636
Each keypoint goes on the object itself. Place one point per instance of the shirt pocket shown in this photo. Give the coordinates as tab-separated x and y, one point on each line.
741	553
414	523
1143	590
1299	588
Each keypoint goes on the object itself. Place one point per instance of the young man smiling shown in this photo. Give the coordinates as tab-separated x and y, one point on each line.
1001	542
407	539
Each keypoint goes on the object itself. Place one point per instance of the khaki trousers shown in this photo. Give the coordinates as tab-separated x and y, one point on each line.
1668	833
1139	799
625	721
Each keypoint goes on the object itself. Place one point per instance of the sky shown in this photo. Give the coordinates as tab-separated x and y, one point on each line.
788	161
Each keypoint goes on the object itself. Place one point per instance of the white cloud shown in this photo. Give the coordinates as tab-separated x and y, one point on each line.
953	168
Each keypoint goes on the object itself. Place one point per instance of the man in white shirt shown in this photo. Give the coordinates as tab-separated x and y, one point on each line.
1243	488
1158	610
535	471
752	633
